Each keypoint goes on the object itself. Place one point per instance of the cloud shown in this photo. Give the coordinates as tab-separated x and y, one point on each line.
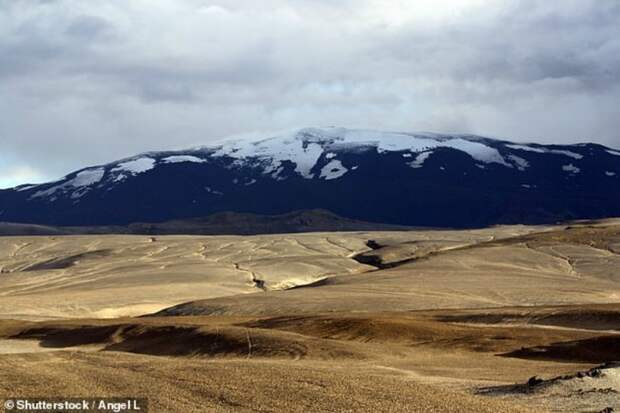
13	176
83	83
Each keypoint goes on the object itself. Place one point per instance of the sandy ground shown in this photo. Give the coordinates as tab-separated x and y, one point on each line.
116	275
16	346
422	321
191	385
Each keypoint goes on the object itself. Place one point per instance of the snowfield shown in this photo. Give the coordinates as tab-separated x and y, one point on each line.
305	147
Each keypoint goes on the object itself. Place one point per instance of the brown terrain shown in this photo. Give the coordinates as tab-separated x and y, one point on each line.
503	319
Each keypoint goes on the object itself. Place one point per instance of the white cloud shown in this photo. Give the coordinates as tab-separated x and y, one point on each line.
13	176
83	83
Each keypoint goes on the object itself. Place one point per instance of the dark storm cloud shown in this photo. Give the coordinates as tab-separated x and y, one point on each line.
87	82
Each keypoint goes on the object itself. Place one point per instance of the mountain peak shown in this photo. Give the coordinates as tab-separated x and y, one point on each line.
404	178
305	146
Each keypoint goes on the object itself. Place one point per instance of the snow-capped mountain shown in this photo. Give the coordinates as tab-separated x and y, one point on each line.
399	178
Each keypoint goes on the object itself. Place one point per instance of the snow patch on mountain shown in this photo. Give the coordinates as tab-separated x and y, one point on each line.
418	162
273	151
608	173
276	174
476	150
526	148
520	163
46	192
120	178
87	177
25	187
571	168
183	158
571	154
612	152
136	166
566	153
83	179
334	169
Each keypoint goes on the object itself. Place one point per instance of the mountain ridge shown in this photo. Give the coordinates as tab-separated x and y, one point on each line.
412	179
220	223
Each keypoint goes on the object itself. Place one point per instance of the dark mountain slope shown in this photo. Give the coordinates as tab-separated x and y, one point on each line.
397	178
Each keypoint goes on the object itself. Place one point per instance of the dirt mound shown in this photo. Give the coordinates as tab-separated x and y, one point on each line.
592	350
382	329
419	330
602	317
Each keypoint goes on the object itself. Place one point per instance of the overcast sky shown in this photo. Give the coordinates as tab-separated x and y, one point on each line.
87	82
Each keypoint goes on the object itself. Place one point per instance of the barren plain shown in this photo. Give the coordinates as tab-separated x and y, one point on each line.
509	319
